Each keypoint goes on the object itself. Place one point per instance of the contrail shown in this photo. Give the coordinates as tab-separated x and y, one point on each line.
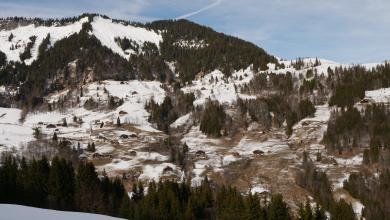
217	2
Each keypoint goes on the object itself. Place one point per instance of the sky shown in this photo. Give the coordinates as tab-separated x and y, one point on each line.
346	31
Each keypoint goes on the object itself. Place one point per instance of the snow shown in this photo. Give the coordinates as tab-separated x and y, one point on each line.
53	117
308	65
353	161
155	171
13	136
258	189
103	29
18	212
23	33
12	133
313	126
136	161
379	95
9	115
135	94
339	183
228	159
106	31
183	120
192	44
197	141
216	86
246	146
105	149
358	208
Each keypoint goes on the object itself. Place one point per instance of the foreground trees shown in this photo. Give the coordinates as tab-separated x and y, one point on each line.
57	185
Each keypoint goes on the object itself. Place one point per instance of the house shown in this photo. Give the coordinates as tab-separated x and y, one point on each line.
51	126
258	152
121	112
200	154
100	156
236	154
167	170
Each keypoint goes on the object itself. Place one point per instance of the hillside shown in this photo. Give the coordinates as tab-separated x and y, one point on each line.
174	100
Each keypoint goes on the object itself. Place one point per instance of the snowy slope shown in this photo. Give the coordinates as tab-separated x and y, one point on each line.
13	134
106	31
103	29
18	212
379	95
214	86
22	35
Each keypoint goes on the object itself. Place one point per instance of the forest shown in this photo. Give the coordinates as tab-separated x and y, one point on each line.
60	185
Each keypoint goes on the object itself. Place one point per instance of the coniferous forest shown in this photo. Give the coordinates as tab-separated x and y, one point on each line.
61	186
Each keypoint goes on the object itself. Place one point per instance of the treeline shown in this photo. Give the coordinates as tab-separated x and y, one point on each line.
170	200
214	50
373	191
350	128
16	20
349	84
317	183
58	185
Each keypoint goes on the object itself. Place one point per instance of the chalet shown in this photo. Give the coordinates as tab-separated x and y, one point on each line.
121	112
200	154
51	126
258	152
236	154
167	170
133	153
124	136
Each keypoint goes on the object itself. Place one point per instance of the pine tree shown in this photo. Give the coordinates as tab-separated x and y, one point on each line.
118	122
61	185
55	138
278	209
88	195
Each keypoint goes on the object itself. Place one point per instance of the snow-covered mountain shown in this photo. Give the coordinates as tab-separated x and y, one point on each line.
141	94
15	41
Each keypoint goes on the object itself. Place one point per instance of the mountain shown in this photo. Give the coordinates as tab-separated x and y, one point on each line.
174	100
39	53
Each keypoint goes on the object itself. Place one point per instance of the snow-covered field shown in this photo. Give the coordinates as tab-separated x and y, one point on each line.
246	147
18	212
12	133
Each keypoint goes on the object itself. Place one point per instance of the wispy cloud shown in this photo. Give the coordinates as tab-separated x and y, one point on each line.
208	7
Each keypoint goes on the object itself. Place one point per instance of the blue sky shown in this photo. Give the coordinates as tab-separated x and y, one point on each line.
349	31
